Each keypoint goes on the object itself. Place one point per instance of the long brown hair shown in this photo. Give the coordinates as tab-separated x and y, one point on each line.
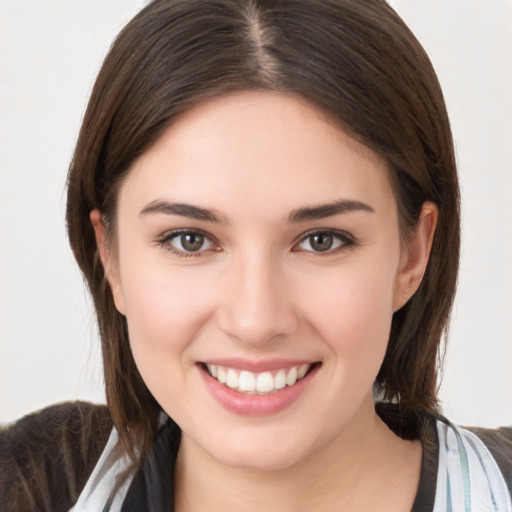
355	60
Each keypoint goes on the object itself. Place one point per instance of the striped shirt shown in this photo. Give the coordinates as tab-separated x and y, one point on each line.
63	459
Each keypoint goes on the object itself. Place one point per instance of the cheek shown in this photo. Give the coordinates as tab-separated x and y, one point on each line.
359	297
165	309
352	313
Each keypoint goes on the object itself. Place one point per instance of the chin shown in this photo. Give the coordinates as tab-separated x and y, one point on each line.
262	449
261	460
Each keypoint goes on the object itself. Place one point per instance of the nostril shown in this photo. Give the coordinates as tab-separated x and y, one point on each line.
257	326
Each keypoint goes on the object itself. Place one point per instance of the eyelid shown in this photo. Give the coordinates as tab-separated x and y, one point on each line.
165	239
347	240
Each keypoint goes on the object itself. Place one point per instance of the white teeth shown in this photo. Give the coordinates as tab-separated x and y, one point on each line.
291	378
232	379
302	371
212	369
280	380
265	383
221	374
262	383
246	382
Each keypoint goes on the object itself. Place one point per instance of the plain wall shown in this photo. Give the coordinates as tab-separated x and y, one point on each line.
50	52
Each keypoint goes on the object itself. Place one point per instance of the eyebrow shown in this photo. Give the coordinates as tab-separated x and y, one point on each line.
182	209
327	210
302	214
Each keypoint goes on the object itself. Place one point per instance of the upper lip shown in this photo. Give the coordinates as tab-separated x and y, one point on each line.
259	365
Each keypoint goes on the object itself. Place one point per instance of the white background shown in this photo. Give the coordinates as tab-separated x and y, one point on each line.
50	52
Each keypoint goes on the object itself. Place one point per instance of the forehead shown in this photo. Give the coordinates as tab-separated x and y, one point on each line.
265	147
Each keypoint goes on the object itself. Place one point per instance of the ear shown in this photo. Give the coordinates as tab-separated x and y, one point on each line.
108	259
415	254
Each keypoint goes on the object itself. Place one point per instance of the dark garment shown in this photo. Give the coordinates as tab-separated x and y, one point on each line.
47	457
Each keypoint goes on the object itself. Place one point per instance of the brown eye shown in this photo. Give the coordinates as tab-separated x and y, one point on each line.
321	242
187	242
325	242
192	242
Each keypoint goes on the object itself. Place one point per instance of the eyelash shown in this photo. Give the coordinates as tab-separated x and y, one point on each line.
345	241
166	242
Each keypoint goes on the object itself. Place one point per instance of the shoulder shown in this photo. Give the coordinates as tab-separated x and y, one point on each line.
474	464
46	457
499	443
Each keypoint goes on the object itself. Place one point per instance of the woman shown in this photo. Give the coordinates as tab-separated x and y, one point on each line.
264	202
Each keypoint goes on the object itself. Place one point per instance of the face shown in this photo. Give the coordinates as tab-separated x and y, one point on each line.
258	262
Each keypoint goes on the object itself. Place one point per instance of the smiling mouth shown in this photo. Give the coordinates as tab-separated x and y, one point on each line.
262	383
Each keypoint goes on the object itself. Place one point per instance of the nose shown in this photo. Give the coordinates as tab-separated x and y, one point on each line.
258	306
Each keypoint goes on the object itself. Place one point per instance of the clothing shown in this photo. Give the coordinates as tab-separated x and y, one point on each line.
61	459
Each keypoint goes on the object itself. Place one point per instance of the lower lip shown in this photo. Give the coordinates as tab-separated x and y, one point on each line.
256	405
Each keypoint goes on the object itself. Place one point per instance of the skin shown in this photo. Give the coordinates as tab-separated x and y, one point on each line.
257	289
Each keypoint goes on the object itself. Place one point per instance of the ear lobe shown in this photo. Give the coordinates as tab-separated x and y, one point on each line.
107	259
415	255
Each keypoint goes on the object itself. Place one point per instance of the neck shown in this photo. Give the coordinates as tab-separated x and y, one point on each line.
358	469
